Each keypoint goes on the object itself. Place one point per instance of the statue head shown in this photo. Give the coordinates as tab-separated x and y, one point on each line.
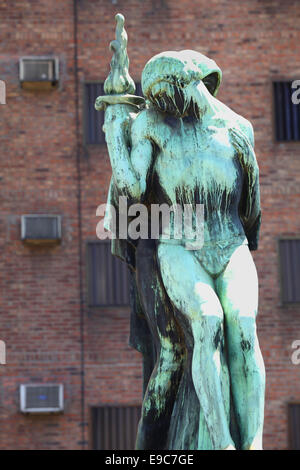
179	82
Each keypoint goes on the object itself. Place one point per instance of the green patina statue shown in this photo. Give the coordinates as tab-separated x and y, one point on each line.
193	311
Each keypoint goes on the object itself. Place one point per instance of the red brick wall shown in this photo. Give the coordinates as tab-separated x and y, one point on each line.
41	319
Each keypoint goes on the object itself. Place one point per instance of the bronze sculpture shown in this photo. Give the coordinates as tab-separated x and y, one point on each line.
194	309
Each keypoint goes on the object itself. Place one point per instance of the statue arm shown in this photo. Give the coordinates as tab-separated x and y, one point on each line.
250	210
253	221
116	127
129	151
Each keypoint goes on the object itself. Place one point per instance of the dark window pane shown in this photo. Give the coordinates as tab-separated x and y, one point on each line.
93	120
108	277
287	114
289	251
115	427
294	426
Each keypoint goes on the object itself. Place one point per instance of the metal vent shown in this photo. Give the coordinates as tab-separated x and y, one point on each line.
289	251
38	70
41	398
115	427
41	229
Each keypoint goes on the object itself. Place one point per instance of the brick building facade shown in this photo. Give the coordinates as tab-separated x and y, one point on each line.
52	335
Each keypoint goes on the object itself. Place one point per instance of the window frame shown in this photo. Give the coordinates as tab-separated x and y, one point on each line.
280	271
290	428
84	113
89	281
93	435
279	79
85	116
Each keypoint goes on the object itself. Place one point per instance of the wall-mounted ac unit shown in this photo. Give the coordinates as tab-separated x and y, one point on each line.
41	229
39	72
41	398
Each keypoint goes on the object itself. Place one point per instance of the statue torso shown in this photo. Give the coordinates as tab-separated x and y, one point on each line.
197	164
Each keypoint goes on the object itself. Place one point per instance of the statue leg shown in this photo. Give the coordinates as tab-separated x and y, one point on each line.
237	288
163	385
191	290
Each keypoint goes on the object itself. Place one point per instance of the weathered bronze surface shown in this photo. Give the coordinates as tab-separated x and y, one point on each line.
193	310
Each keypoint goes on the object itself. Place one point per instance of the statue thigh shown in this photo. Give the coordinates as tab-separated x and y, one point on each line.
199	311
190	288
237	288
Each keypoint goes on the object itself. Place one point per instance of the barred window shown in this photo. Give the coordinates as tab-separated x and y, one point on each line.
287	114
289	252
115	427
93	120
294	425
108	276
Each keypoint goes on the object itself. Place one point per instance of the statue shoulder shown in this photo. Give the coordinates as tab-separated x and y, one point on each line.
247	128
244	125
234	120
145	123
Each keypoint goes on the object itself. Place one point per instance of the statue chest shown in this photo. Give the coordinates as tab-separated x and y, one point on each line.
197	164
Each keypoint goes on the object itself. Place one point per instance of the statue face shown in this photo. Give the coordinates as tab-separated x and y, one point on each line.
170	81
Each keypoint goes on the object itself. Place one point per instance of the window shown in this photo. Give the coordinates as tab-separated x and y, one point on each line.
287	114
294	426
108	277
115	427
289	252
93	120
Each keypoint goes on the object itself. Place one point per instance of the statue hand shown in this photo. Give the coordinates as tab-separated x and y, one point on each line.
118	117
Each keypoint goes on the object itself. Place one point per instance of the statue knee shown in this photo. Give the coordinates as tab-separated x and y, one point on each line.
209	330
241	331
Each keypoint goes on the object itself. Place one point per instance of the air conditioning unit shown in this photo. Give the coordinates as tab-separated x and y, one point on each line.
41	398
39	72
41	229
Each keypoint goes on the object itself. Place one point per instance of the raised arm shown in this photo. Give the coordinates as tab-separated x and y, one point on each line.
129	150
